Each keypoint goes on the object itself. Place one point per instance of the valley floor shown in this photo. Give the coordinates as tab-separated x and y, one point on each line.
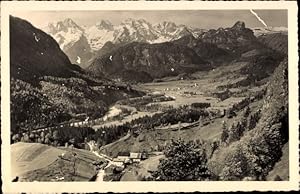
202	89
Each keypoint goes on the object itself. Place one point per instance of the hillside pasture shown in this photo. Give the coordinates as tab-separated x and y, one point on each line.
26	157
38	162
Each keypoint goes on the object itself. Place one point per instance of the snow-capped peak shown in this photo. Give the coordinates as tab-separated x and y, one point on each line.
104	24
136	23
65	25
129	21
69	22
55	27
65	32
166	27
99	34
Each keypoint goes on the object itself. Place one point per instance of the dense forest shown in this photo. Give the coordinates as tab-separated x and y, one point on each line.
104	135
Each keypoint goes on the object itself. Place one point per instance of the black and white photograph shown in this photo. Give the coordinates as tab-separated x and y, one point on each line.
155	95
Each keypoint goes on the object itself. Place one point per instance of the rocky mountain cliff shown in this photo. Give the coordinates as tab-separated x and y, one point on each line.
232	39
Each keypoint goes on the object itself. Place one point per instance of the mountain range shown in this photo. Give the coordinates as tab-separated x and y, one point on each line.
144	62
138	51
81	43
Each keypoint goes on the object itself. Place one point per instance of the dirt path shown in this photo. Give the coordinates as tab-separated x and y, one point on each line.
101	172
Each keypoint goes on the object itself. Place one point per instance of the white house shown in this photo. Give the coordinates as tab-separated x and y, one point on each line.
118	162
136	157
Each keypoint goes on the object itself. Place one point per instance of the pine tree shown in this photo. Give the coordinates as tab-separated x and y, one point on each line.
185	161
236	165
224	135
247	112
200	121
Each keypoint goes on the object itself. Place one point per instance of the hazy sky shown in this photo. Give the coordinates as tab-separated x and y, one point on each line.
202	18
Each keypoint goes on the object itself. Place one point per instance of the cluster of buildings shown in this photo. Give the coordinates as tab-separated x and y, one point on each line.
129	158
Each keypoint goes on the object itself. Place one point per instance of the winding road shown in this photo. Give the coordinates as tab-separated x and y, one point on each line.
101	172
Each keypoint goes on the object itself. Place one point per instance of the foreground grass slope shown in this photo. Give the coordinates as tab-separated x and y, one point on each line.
38	162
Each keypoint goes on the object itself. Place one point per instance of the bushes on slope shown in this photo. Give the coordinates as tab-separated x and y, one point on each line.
185	161
261	147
